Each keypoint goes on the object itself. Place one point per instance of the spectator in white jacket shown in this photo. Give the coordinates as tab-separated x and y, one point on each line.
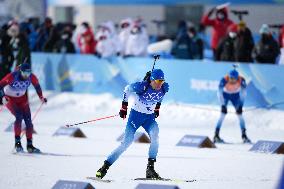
125	29
106	45
137	42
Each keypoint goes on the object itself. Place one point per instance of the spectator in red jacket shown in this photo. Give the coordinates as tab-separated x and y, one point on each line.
220	25
87	42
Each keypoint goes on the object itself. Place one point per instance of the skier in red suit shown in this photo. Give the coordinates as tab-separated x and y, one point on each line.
13	90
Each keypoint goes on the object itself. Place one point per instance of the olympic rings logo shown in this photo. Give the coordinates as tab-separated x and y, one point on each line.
150	97
21	84
265	147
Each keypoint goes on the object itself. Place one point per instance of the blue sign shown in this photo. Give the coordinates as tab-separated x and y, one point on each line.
271	147
65	184
196	141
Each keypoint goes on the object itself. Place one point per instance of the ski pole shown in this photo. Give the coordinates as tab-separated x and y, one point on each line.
148	74
37	111
84	122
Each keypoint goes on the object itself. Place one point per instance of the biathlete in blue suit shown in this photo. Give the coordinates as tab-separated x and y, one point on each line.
232	88
148	97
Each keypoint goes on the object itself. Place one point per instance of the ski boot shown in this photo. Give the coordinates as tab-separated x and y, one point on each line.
103	170
217	138
244	137
18	145
31	148
150	171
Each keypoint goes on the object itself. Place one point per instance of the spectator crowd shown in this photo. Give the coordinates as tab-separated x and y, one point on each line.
230	41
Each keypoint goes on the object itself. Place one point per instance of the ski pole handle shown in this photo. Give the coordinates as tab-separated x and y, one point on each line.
157	56
84	122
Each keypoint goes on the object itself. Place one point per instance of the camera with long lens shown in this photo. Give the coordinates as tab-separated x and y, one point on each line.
276	26
240	13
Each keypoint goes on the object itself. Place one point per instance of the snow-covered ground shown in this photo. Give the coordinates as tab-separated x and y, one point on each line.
227	166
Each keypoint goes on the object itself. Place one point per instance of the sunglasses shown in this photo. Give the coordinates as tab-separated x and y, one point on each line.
159	81
232	80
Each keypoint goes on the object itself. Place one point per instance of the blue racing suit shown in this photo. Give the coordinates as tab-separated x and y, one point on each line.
234	92
141	114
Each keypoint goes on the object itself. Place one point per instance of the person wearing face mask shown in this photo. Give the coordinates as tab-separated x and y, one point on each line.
124	33
13	91
196	44
220	25
18	43
267	49
107	41
44	34
106	47
232	88
148	98
226	50
65	45
137	42
244	44
86	39
182	43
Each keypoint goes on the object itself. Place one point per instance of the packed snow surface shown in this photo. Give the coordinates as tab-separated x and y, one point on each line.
230	165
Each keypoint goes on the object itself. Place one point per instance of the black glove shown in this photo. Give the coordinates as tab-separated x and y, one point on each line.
224	109
147	76
123	110
239	110
43	100
157	109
